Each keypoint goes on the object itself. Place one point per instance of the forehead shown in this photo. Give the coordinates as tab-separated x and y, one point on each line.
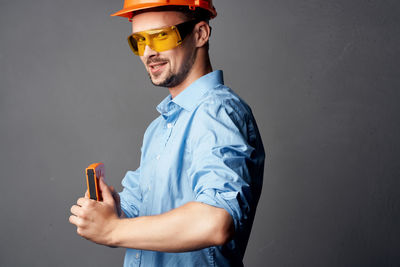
156	19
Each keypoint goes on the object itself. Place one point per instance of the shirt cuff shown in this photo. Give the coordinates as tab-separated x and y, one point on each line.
130	210
226	200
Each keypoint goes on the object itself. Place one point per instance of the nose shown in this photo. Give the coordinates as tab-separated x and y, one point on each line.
148	52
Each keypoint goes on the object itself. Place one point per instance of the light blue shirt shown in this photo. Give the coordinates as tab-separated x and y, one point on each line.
204	147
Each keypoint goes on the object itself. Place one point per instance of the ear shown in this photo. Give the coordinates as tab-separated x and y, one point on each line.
202	33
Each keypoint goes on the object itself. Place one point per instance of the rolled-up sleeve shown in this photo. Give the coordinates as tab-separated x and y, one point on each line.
131	196
221	156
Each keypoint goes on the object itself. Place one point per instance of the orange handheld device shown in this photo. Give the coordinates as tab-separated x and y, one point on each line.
93	174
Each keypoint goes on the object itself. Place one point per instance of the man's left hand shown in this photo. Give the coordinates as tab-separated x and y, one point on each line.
95	220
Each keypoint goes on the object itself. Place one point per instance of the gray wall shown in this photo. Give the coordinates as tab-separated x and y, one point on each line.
322	78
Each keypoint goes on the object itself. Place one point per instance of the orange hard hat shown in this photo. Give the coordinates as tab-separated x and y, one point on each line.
133	5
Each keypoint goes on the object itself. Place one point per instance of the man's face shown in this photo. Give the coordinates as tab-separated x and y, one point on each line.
168	68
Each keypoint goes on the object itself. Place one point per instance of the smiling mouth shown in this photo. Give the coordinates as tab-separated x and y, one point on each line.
157	66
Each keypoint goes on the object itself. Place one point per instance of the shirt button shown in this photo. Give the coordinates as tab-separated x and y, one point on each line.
158	157
169	125
137	255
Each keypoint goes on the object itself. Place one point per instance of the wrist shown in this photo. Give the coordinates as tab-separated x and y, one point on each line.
112	239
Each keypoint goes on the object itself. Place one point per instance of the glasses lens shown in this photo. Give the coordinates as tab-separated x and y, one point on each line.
133	44
160	39
164	39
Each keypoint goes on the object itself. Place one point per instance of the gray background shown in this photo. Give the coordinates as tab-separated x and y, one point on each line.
322	78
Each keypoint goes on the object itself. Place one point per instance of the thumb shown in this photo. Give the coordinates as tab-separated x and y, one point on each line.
105	192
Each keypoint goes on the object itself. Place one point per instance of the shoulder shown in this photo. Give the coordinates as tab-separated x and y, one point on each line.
221	114
222	101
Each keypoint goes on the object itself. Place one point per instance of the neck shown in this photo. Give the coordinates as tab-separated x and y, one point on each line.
201	67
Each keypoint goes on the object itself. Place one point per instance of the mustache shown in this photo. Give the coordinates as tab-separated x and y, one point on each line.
156	60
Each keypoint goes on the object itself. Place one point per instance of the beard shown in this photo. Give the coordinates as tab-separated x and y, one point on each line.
173	79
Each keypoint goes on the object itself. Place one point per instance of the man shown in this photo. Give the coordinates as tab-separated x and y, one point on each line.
192	200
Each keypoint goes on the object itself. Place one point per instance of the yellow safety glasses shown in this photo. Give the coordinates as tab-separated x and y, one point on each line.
160	39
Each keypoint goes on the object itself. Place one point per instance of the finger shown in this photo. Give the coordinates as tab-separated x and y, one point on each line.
87	194
105	191
114	193
79	231
73	219
76	210
83	201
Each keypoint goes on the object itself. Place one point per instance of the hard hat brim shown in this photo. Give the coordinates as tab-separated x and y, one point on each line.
127	12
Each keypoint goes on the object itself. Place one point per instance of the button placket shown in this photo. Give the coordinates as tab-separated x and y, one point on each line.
169	127
138	256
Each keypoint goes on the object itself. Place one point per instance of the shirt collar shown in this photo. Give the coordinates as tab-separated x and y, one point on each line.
189	97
